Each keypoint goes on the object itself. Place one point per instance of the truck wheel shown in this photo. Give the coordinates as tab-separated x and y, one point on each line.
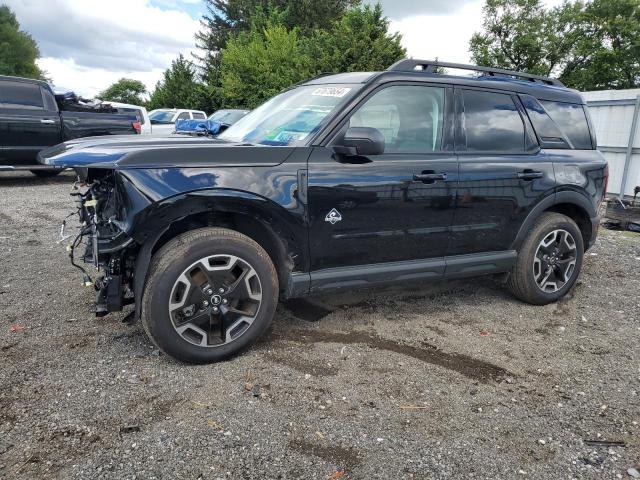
46	173
211	293
549	260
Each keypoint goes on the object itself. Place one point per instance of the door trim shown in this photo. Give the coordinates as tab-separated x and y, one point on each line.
381	274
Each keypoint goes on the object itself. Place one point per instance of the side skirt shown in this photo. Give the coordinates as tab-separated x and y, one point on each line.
381	274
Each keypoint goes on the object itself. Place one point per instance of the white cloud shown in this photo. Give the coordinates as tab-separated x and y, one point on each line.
87	44
400	9
443	36
438	35
88	81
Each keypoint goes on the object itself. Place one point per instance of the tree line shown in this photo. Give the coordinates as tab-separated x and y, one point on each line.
252	49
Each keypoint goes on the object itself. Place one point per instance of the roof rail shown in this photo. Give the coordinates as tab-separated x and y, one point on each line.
429	66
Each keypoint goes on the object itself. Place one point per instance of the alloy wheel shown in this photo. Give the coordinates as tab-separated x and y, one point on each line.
215	300
554	261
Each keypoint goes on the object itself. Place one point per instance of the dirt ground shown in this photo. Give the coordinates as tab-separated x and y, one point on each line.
450	380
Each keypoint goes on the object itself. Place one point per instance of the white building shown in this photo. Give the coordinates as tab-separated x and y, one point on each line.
615	116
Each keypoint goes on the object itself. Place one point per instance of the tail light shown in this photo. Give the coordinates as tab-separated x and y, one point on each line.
605	185
137	127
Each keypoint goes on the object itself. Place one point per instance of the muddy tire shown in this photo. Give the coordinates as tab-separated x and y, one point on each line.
549	260
210	294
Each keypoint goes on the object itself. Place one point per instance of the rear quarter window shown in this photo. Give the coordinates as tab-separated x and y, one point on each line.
198	115
133	111
572	121
20	95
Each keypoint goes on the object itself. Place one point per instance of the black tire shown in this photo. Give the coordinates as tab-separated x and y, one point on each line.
166	267
46	173
521	282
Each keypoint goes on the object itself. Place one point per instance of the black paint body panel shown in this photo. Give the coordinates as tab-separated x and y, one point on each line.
392	228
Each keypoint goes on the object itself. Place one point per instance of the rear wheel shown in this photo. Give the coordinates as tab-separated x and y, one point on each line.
549	260
211	293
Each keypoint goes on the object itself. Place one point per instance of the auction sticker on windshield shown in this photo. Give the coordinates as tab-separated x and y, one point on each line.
331	91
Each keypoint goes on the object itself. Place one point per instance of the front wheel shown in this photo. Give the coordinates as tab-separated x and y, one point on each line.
211	293
549	260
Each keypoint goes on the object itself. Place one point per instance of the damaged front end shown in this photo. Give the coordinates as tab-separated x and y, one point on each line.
102	240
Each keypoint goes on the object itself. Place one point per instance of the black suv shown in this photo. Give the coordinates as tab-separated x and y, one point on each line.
348	180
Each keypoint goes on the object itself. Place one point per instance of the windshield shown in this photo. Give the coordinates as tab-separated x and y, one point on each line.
161	116
291	117
228	116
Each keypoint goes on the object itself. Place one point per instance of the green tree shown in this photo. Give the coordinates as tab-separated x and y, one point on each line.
589	46
18	51
606	47
179	87
523	35
274	56
259	64
225	18
357	41
125	90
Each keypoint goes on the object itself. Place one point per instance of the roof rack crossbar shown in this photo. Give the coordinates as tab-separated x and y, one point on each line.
429	66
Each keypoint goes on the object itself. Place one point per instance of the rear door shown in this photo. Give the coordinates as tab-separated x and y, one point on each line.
503	172
29	121
369	210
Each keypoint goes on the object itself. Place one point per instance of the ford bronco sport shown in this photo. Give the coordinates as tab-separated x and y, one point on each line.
348	180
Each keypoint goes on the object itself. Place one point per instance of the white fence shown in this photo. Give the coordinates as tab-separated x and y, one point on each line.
615	116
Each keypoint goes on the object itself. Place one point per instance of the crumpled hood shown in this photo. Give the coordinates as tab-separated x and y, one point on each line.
148	151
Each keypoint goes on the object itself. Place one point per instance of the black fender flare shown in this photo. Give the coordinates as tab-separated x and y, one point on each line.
569	196
158	218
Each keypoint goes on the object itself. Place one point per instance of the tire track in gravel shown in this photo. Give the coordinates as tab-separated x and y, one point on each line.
473	368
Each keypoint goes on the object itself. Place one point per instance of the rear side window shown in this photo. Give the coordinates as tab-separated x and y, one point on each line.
492	122
198	115
571	119
134	111
49	100
183	116
20	95
548	132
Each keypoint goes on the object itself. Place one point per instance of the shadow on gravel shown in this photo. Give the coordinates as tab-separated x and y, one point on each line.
469	367
306	310
26	179
345	458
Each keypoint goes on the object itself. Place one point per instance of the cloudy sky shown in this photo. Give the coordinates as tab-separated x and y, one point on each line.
88	44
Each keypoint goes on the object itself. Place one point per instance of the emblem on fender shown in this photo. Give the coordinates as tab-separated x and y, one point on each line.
333	217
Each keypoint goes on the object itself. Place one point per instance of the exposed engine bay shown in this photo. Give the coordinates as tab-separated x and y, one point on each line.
101	241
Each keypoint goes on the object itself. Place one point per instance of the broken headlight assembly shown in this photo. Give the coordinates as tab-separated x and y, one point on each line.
102	240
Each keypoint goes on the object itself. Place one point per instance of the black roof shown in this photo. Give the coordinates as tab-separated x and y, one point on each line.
543	88
25	80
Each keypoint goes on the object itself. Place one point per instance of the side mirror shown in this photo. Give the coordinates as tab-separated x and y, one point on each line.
362	141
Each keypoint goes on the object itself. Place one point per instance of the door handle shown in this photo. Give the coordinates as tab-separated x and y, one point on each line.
48	122
429	177
529	175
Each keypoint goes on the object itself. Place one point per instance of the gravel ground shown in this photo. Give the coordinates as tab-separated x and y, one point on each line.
455	379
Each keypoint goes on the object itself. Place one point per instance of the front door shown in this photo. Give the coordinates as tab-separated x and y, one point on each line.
392	207
503	172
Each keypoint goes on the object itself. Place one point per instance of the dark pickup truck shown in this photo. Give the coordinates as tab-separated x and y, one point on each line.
31	120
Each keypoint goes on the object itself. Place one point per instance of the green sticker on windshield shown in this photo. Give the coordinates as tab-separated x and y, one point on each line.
330	91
